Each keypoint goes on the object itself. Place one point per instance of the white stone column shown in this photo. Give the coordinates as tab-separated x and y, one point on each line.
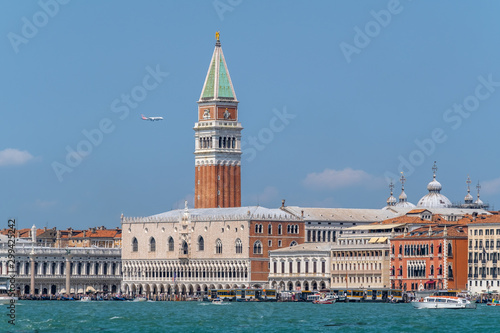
68	274
32	271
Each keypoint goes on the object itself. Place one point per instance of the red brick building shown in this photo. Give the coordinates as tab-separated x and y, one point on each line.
271	235
433	257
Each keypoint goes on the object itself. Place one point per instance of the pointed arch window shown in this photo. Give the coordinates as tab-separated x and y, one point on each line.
152	245
239	246
218	246
135	245
201	244
257	247
270	229
185	247
280	231
170	243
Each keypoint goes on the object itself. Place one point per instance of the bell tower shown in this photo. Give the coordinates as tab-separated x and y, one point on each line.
217	139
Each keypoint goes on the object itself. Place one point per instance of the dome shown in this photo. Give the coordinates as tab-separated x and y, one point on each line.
405	204
402	200
479	202
403	196
391	201
434	200
468	198
434	185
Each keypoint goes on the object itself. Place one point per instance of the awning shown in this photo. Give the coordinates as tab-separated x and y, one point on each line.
382	240
373	240
90	289
430	282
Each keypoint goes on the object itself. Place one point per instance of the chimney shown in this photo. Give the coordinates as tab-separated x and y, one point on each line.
44	229
84	233
302	212
283	203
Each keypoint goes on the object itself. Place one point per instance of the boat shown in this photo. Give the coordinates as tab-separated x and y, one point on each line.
326	299
443	302
5	295
6	299
85	299
140	299
217	301
119	298
494	302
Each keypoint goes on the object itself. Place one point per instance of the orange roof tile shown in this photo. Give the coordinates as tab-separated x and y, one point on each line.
436	232
485	219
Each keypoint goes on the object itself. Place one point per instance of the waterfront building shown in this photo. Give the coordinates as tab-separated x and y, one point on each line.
325	225
302	267
46	270
360	257
92	237
194	250
430	257
484	247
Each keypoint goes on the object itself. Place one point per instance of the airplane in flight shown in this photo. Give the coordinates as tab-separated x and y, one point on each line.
151	118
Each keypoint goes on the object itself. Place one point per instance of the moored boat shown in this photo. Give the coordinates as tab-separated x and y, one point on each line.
494	302
326	299
443	302
140	299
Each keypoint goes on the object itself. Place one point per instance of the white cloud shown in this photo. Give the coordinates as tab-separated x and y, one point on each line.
331	179
11	156
491	186
268	197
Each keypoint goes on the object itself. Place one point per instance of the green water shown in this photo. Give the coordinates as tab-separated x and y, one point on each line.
60	316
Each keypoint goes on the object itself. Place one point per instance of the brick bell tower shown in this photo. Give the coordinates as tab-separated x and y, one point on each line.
217	139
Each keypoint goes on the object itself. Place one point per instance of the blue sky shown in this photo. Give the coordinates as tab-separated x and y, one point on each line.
363	90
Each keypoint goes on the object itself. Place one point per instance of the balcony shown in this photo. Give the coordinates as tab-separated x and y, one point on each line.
392	255
400	256
439	276
431	276
440	255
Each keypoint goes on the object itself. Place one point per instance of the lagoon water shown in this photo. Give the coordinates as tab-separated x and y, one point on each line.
75	316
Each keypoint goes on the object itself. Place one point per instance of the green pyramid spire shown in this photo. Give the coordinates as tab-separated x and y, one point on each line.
218	85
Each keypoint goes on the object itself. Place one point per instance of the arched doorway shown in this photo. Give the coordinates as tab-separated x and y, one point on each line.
306	286
26	289
53	289
45	291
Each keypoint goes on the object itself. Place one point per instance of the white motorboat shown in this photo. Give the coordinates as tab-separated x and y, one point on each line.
85	299
217	301
443	302
140	299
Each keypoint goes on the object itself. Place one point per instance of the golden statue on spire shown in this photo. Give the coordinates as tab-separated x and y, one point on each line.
217	35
